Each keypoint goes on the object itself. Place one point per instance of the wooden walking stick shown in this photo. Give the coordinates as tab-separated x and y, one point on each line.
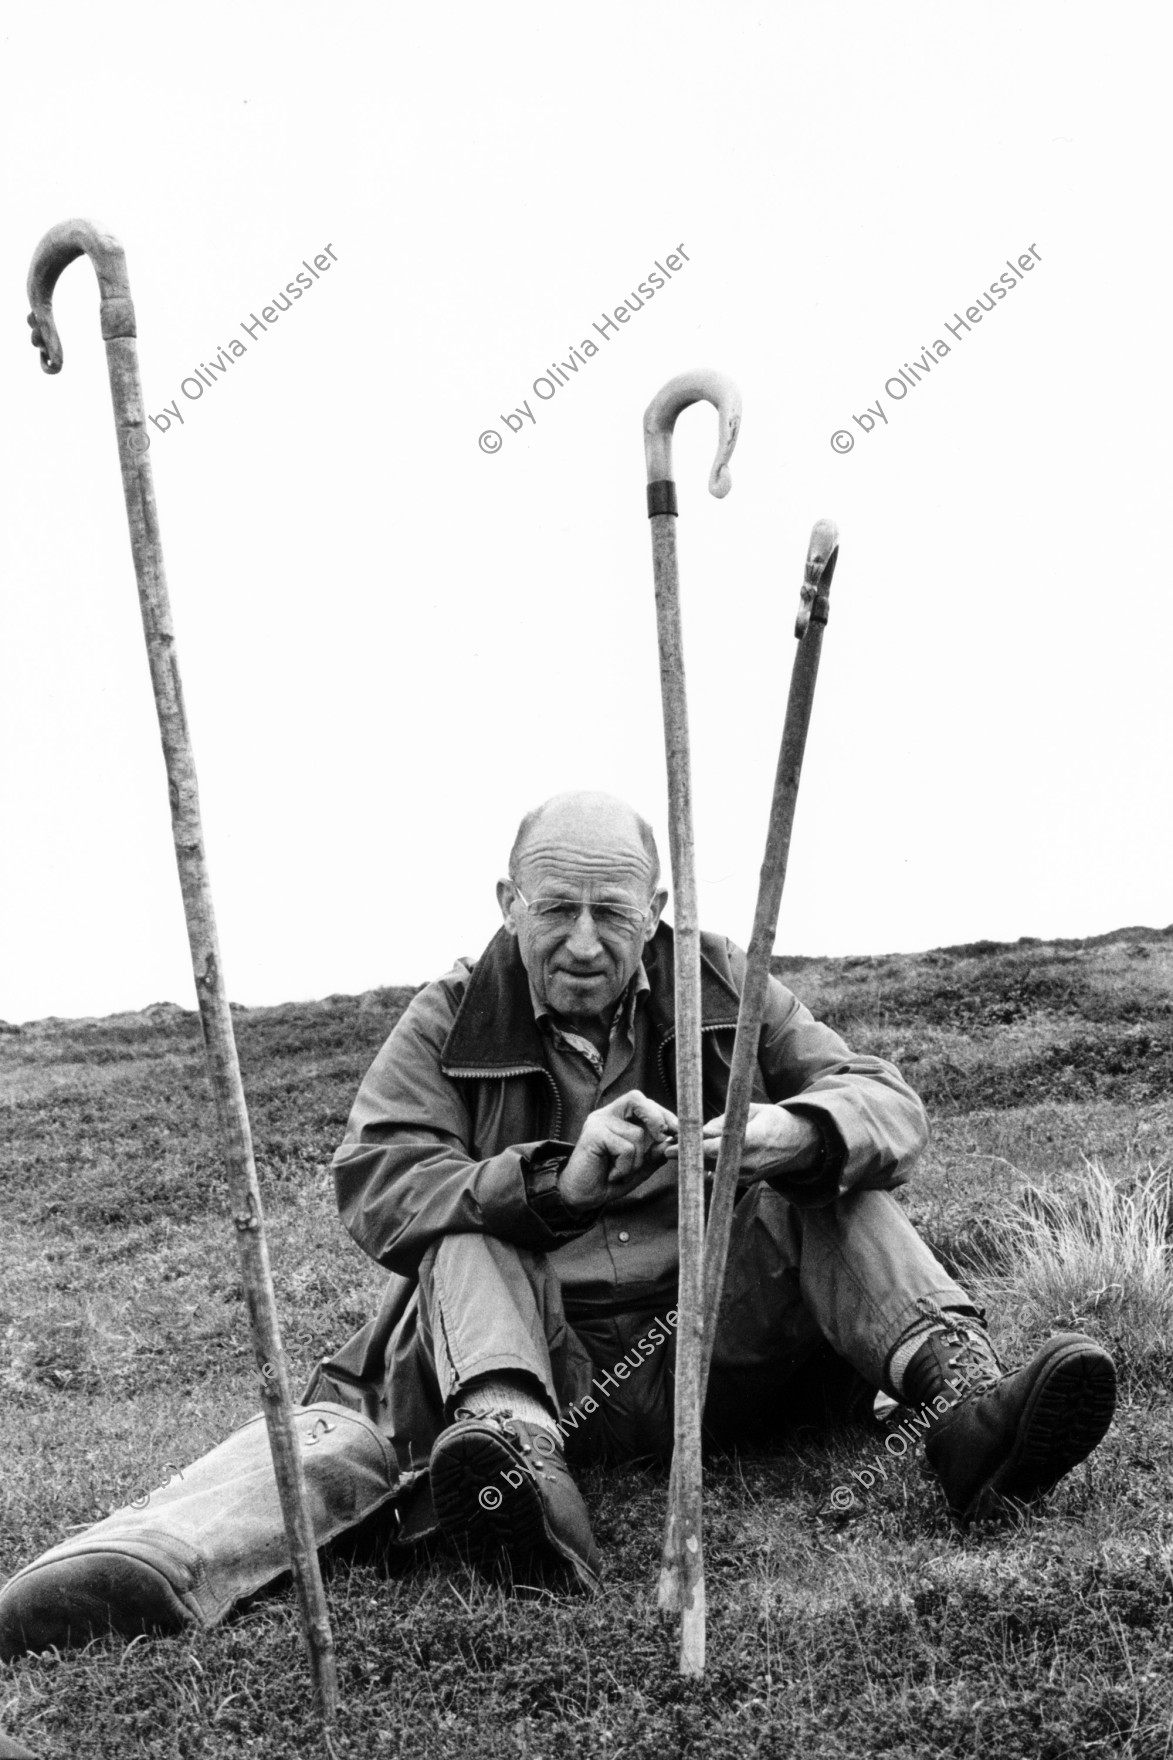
682	1578
58	248
822	555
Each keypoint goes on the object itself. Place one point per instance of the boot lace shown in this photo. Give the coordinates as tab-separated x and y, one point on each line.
499	1415
972	1359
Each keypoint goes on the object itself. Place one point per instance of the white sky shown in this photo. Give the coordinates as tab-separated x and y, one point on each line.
392	643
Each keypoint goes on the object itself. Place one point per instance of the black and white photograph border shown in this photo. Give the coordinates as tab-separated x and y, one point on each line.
383	304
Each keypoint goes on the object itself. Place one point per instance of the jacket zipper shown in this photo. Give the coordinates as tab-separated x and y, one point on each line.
521	1069
715	1027
535	1069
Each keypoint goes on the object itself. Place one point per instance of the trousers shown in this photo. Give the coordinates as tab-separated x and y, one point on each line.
852	1276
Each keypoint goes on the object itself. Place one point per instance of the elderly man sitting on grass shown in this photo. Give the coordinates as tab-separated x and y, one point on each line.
510	1159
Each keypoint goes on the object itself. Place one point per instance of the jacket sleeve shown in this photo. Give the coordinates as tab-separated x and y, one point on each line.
872	1124
405	1173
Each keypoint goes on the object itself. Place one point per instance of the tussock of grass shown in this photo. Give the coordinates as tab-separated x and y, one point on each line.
1093	1255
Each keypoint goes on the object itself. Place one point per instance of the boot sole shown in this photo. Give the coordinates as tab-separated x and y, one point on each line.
509	1528
476	1506
1068	1413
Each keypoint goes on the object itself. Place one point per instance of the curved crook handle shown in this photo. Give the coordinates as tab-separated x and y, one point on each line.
821	557
60	245
660	419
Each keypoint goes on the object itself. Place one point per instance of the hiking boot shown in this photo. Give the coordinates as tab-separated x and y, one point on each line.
501	1486
1007	1435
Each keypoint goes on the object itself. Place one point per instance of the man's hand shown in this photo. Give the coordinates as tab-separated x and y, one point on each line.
776	1142
616	1151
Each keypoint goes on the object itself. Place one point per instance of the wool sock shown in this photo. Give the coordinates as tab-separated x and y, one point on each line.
509	1393
905	1351
907	1347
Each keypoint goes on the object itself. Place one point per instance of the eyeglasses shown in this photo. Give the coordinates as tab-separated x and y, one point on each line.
563	913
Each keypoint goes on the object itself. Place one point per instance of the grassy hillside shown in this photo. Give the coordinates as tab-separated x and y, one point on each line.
873	1629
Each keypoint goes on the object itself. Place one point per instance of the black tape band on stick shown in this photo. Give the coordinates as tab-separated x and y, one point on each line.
662	497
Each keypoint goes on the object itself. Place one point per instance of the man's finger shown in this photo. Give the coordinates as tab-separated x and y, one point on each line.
622	1132
623	1146
655	1119
657	1154
669	1149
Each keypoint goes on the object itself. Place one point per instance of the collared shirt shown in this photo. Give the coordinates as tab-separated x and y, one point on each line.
627	1257
627	1233
586	1078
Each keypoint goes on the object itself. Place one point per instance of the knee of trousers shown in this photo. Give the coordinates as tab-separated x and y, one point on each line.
468	1267
460	1253
487	1303
871	1222
766	1232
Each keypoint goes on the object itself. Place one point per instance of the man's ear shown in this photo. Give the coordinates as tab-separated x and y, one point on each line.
659	900
506	893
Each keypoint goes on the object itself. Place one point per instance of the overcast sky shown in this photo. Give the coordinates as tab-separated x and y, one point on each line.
394	642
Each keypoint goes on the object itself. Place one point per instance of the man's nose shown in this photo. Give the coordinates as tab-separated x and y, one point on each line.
584	937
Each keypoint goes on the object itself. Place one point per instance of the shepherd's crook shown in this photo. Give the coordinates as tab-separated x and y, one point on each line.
682	1571
58	248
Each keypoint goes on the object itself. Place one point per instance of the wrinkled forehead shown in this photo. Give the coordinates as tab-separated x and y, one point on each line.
598	863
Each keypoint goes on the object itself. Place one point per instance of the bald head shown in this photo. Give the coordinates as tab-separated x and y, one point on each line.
598	829
583	902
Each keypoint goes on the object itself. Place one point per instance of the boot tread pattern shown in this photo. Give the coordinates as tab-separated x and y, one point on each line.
473	1463
1068	1414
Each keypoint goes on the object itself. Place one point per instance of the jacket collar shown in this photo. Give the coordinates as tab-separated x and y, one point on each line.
495	1032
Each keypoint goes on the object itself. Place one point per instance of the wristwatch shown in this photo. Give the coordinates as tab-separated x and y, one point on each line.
541	1189
545	1174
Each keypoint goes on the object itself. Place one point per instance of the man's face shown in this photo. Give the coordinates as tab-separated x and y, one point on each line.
582	915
